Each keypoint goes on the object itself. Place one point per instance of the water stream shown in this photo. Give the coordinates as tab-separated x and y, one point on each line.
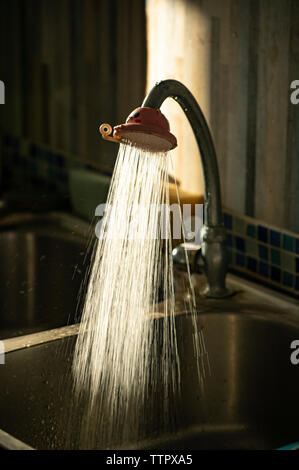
124	357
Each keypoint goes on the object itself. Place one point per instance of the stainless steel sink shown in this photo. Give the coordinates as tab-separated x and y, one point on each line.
250	399
42	266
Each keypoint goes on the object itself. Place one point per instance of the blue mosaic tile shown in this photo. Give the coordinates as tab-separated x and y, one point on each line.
263	269
228	221
263	252
251	230
288	242
287	279
229	239
275	238
240	243
262	234
251	264
240	260
275	274
275	257
297	246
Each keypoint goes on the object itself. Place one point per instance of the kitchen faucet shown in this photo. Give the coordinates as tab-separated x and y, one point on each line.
153	134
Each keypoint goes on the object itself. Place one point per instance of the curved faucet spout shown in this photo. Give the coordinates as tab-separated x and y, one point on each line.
213	232
181	94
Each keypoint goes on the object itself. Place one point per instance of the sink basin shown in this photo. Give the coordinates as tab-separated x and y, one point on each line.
41	270
250	399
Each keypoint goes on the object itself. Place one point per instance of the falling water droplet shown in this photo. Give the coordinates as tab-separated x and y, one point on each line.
117	360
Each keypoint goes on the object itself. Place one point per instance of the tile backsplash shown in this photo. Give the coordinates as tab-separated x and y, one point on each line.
262	252
26	164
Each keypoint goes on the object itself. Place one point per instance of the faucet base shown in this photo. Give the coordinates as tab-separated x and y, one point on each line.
217	293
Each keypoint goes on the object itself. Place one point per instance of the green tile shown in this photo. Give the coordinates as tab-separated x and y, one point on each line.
287	262
239	225
288	279
251	247
251	230
275	257
288	243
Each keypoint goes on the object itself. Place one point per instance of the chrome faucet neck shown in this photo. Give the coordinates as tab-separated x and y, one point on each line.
213	245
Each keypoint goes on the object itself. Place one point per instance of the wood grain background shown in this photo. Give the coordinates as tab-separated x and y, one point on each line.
238	58
68	66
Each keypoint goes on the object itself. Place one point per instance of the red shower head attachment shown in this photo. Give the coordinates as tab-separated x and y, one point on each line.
146	128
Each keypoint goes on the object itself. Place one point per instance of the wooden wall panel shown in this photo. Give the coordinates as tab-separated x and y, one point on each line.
291	193
70	65
250	58
272	114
